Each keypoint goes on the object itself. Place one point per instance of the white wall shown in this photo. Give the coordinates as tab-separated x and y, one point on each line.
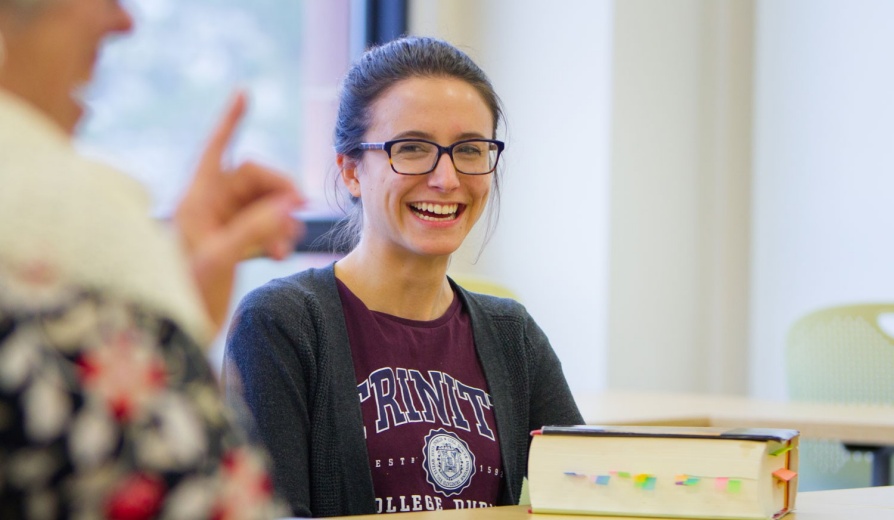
630	245
722	214
550	61
824	167
680	195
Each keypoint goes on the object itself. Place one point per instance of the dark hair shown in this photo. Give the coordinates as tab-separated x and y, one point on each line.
378	69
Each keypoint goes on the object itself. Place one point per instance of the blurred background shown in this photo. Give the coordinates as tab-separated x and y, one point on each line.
683	178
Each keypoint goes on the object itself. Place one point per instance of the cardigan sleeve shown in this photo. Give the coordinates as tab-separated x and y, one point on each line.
551	401
267	367
524	377
289	348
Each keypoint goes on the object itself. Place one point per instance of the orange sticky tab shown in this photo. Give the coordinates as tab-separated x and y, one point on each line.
784	474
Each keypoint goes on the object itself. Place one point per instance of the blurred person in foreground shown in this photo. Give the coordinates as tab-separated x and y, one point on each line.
108	407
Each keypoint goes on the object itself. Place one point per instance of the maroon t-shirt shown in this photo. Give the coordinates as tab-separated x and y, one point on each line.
427	415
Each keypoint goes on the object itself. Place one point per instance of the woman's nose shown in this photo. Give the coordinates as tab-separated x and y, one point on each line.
444	176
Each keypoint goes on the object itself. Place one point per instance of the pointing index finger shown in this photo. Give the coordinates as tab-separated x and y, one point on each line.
223	132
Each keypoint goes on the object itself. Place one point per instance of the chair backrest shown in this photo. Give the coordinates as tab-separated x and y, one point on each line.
484	286
841	354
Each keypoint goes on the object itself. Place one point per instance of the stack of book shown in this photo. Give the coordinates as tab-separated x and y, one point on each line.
671	472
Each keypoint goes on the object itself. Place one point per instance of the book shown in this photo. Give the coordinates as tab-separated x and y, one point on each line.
669	472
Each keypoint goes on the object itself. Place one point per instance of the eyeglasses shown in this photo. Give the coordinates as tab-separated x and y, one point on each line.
418	156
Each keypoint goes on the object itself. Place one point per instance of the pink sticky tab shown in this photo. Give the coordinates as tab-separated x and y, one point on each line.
720	483
784	474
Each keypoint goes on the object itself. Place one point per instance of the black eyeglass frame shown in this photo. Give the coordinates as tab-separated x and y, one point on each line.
386	146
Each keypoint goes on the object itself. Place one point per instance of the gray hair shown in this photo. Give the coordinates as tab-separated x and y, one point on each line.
23	10
24	3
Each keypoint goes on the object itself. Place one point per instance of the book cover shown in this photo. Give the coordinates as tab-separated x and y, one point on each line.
672	472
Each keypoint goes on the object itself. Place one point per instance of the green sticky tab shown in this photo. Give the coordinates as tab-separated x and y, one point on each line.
623	474
784	449
734	486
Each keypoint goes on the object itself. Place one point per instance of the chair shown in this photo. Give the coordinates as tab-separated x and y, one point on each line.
842	355
484	286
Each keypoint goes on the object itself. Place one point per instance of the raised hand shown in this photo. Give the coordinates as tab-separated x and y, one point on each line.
232	213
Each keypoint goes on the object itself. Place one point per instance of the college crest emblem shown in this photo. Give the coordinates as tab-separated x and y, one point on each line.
449	464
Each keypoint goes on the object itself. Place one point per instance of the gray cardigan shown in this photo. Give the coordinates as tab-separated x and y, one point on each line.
288	357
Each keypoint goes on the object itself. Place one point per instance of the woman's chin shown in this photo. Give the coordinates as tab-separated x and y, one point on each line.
437	249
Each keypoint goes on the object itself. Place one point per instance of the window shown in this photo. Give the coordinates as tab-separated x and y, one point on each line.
159	92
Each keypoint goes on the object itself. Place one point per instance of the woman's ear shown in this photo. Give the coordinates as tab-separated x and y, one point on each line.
347	167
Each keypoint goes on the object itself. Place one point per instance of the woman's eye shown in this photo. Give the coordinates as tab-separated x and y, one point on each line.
410	148
469	150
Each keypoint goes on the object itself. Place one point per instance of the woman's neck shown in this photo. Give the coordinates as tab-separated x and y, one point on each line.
414	288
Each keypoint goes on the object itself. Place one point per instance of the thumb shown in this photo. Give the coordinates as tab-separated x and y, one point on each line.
266	226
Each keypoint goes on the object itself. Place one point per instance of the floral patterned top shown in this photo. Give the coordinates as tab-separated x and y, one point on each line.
109	411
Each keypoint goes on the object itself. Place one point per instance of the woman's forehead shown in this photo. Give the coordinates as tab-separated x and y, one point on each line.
432	104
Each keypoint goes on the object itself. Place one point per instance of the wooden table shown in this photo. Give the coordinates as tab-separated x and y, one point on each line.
875	503
853	424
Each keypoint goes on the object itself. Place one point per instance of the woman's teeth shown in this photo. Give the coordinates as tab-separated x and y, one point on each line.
434	212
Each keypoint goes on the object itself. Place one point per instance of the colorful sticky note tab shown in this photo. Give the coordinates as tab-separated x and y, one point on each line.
784	449
784	474
602	480
650	483
691	481
640	479
624	474
734	486
680	480
720	483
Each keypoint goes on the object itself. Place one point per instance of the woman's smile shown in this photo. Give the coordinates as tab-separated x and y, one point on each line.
437	212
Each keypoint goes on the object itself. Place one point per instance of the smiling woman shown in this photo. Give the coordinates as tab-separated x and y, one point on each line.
377	380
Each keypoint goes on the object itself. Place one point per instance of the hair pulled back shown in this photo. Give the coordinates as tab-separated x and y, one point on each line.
383	66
